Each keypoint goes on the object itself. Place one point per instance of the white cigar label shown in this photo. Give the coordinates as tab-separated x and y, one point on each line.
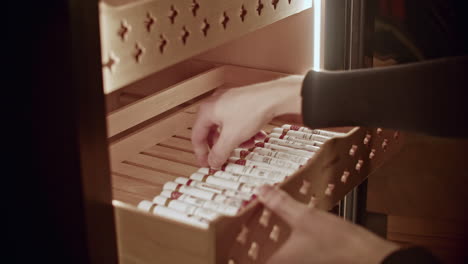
215	206
245	154
237	177
173	214
252	171
293	144
214	188
298	140
187	208
227	183
261	165
280	155
173	186
285	149
313	131
298	135
204	194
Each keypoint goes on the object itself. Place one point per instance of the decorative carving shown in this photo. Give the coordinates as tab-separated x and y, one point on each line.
259	7
274	3
243	13
123	30
138	52
205	27
185	35
195	7
225	20
173	14
149	22
162	43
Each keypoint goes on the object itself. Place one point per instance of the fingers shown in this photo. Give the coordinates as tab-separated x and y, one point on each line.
261	135
281	204
200	132
213	136
223	147
248	144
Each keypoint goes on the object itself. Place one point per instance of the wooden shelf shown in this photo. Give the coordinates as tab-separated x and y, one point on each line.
142	37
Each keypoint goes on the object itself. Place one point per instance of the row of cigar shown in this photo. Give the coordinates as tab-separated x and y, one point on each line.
209	193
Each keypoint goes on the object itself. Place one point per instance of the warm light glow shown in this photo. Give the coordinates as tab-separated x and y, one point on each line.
317	33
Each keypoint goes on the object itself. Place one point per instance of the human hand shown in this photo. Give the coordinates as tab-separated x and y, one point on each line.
320	237
234	117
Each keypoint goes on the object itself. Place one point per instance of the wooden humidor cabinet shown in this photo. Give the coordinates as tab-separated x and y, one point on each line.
160	59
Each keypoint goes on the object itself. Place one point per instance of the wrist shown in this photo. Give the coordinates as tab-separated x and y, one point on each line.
287	97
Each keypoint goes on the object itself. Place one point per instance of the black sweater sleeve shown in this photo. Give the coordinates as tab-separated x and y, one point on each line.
412	255
427	97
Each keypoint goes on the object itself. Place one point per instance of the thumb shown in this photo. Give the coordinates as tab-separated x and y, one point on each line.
223	147
281	204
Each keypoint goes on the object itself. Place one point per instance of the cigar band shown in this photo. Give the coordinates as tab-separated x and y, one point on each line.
282	136
243	154
240	186
212	171
267	139
223	168
152	207
260	144
241	162
175	195
168	200
285	131
177	188
205	177
189	182
293	127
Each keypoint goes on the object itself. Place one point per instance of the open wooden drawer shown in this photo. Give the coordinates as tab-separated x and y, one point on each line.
150	145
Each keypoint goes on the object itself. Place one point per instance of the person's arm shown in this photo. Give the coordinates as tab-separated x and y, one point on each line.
428	97
321	237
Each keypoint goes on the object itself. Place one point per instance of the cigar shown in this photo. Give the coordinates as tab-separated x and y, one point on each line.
284	149
186	208
313	147
204	194
313	131
299	140
252	171
237	177
234	185
215	206
172	214
214	188
260	165
300	135
248	155
280	155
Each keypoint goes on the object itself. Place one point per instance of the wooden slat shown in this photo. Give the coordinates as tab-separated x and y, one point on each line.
172	154
151	135
132	185
145	175
160	102
178	143
126	197
186	133
162	165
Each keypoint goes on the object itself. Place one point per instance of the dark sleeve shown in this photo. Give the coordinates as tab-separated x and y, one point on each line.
412	255
427	97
